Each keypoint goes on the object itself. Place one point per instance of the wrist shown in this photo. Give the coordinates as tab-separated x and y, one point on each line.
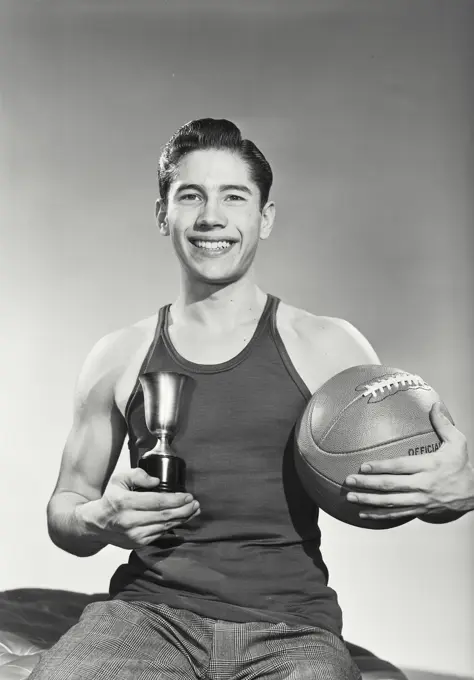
88	520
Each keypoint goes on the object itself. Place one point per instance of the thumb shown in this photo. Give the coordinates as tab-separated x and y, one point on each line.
442	421
137	477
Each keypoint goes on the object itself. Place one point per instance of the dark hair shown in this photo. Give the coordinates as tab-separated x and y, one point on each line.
208	133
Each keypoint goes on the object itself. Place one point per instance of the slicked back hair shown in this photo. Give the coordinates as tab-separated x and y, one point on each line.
208	133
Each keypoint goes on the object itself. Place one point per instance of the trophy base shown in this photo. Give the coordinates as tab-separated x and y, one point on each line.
169	469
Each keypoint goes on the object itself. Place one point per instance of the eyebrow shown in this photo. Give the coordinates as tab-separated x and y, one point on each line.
224	187
236	187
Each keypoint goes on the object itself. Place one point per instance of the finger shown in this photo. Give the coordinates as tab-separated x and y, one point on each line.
179	514
137	478
374	513
155	530
388	500
143	518
442	424
196	513
408	465
153	500
383	482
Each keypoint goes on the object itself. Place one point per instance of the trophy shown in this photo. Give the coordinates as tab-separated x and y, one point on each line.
162	394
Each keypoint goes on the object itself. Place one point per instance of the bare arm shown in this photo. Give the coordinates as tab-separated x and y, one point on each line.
90	455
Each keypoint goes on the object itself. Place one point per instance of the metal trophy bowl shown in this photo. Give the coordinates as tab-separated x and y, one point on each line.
162	395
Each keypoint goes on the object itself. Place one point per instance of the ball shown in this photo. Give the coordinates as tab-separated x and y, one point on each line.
362	414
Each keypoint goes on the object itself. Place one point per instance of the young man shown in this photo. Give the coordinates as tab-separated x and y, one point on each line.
226	581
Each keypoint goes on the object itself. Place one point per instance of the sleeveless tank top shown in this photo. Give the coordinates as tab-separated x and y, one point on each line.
253	554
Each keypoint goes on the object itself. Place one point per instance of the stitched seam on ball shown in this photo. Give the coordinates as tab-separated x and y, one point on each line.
389	381
374	446
336	419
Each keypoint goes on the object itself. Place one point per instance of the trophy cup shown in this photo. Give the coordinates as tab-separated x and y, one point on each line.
162	394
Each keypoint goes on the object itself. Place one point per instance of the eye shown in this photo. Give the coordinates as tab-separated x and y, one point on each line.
190	197
234	197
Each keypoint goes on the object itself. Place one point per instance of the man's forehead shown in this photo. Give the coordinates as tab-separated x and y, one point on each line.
213	167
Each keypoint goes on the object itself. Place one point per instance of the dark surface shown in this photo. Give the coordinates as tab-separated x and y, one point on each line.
32	619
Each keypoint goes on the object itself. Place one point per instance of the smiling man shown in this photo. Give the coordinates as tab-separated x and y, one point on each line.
226	581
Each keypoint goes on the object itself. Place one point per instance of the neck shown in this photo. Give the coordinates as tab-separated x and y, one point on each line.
221	306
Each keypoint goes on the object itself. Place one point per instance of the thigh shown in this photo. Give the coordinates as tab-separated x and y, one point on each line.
289	653
319	655
113	639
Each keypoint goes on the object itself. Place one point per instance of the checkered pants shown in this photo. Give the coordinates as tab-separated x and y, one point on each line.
141	641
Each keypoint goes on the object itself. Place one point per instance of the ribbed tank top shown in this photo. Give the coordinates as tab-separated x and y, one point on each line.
253	554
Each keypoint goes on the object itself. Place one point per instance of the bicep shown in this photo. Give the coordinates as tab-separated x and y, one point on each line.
97	434
91	453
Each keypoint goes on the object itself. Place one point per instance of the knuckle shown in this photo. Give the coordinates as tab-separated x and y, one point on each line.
126	521
163	501
118	504
117	478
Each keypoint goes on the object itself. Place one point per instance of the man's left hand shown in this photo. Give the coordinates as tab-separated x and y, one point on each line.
429	486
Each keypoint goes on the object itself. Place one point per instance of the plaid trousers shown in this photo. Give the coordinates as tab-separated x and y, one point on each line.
142	641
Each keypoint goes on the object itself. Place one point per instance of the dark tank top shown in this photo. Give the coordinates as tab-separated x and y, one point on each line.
253	554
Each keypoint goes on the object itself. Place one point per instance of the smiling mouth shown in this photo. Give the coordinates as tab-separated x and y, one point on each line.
212	246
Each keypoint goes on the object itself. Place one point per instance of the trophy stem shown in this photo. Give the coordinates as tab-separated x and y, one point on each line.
162	446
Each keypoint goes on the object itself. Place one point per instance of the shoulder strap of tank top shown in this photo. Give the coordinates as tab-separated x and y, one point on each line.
285	357
269	311
146	360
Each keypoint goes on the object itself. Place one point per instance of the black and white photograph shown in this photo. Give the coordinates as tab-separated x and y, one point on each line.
237	327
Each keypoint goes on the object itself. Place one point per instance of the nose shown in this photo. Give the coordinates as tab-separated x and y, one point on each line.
211	216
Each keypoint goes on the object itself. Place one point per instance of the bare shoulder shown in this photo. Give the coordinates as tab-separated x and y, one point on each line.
322	346
113	363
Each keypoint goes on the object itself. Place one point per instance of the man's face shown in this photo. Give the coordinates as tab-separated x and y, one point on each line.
213	216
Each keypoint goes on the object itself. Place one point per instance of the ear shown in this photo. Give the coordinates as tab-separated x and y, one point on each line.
162	217
267	220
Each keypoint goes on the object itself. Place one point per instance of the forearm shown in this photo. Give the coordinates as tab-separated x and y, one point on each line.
68	526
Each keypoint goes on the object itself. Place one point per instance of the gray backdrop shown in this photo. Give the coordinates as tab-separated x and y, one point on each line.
364	108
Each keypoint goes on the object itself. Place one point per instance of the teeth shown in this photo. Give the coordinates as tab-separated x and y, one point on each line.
213	245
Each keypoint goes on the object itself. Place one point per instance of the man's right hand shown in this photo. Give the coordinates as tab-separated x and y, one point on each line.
131	519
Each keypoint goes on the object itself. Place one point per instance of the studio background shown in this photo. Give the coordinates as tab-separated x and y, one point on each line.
364	109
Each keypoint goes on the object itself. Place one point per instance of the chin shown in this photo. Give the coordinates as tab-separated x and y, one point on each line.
217	278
